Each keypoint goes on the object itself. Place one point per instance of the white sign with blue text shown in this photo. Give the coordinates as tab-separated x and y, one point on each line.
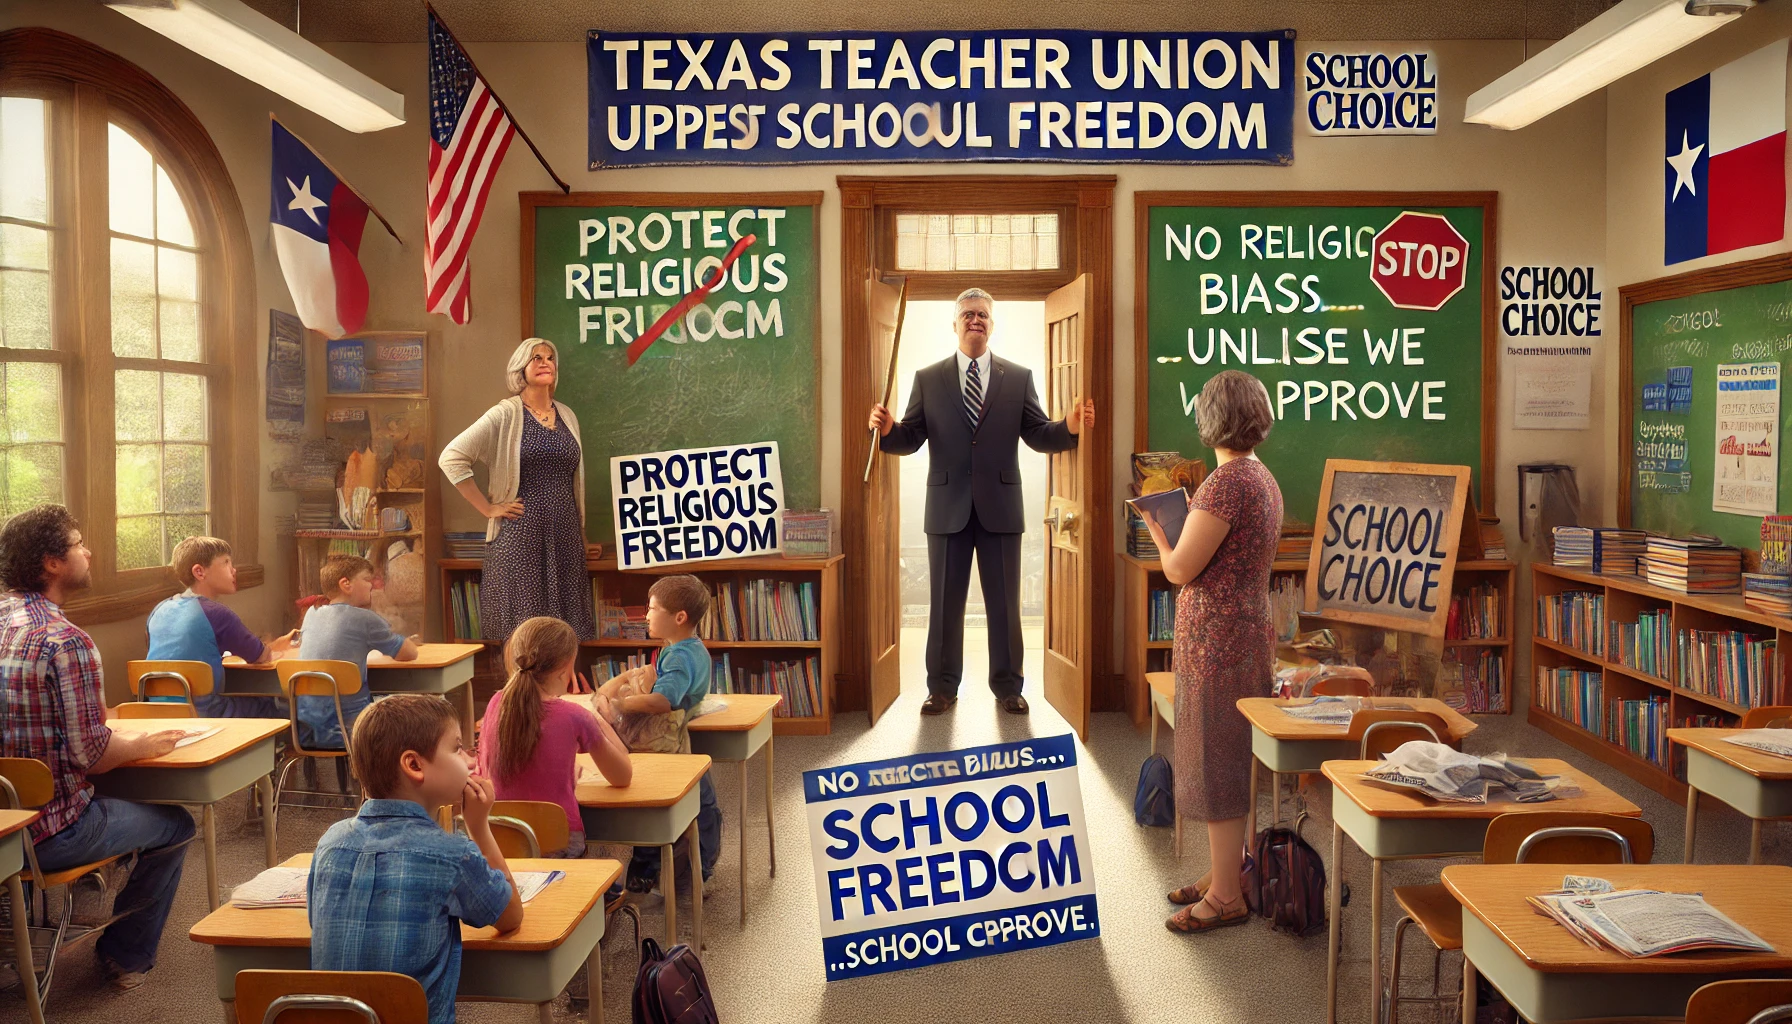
1369	93
695	504
939	857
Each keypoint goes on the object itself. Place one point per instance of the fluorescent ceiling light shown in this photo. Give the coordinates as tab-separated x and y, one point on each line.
1629	36
272	56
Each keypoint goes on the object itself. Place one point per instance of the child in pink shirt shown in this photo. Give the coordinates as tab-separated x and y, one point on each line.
531	739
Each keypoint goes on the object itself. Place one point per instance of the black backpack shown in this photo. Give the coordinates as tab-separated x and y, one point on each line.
1154	802
1284	880
670	987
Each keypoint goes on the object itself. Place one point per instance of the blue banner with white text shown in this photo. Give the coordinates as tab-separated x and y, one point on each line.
894	97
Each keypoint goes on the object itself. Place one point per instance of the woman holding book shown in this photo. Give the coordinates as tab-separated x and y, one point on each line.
1225	637
535	511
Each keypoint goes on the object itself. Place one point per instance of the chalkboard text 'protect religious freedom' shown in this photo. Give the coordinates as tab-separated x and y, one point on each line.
846	97
696	504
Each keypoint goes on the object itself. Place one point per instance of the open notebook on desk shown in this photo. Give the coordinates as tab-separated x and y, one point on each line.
285	887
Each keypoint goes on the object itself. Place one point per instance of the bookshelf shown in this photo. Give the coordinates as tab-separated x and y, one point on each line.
1627	600
1142	653
754	656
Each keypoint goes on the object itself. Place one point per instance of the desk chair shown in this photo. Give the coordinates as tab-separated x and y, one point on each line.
1519	837
1341	686
1754	1001
329	997
545	821
1773	716
153	709
184	680
26	784
1379	730
316	678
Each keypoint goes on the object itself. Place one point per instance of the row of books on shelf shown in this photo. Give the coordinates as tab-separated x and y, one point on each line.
1728	664
463	599
1161	616
467	545
1641	727
1474	681
764	609
1686	565
1478	613
1645	645
1577	695
1575	618
1768	591
798	682
607	667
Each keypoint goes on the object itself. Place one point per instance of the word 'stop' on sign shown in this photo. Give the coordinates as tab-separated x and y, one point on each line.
1420	261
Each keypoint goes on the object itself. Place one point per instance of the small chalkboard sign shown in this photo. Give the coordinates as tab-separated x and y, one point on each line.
1385	543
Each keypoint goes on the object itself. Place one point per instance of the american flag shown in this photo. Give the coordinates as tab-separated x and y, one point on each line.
468	134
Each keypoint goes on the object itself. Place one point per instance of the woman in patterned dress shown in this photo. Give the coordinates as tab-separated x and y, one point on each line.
535	515
1225	638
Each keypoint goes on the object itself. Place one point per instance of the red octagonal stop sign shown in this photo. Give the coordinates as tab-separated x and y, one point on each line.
1420	261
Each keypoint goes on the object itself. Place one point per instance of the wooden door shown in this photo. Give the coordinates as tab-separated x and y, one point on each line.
886	298
1069	347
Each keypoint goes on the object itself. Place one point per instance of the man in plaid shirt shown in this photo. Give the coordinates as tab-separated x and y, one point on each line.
52	708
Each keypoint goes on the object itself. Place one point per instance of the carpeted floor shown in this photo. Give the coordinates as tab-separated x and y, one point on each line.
771	970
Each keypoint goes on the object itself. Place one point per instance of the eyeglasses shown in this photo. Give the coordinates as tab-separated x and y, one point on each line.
973	314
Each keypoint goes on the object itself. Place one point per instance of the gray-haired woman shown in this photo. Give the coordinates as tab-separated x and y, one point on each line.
1225	637
535	513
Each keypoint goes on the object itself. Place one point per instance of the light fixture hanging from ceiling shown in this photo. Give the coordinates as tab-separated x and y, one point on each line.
272	56
1630	35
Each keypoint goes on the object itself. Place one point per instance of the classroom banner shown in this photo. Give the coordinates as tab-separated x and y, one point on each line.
884	97
947	856
1369	93
1550	318
696	504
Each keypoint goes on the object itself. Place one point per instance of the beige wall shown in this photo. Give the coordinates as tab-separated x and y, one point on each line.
1551	180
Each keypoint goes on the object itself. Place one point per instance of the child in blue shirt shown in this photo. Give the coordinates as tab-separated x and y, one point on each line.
346	629
388	888
193	626
653	705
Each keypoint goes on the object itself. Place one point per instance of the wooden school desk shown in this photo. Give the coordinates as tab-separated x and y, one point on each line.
1283	743
1389	823
440	669
1548	975
1754	782
239	755
654	809
735	734
12	863
563	927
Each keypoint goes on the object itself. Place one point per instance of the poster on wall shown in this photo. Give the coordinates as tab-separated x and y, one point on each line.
883	97
947	856
696	504
1369	93
1550	320
1746	479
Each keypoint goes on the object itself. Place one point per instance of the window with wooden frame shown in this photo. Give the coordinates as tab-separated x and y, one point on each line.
126	338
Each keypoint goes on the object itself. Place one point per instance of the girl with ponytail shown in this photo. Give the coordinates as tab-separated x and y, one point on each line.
531	739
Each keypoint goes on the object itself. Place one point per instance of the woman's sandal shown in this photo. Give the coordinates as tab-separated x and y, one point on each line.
1225	916
1193	892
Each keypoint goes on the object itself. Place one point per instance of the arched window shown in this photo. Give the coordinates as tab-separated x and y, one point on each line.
127	373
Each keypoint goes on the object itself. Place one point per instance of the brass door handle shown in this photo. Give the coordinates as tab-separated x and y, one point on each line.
1071	523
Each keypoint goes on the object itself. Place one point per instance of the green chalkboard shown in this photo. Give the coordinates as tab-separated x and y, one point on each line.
1676	333
1225	277
743	366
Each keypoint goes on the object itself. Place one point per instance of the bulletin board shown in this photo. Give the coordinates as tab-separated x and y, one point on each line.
743	367
1323	240
1674	334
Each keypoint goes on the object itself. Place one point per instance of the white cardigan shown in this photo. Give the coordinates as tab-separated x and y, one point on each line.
496	439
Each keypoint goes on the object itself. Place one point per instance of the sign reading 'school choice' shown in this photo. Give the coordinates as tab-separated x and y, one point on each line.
938	857
696	504
1385	546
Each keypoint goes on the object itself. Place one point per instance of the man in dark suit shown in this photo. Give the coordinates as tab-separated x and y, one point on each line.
973	410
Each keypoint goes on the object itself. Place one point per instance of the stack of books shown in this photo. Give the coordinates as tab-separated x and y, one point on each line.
1295	548
469	545
1728	664
1604	550
1573	547
1575	618
1476	614
809	533
1493	541
1768	591
1693	565
316	515
1644	644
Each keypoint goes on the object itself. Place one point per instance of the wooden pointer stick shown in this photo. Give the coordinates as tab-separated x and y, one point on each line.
890	374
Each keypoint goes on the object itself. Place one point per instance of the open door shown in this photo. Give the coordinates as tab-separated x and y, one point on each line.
1069	348
885	301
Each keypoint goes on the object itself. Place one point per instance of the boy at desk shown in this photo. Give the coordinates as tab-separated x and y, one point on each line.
651	706
346	629
389	888
193	626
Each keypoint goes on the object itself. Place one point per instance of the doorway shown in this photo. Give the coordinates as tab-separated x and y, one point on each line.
1070	276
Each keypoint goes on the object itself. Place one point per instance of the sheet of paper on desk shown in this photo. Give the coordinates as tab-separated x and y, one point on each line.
530	883
710	706
1323	711
275	887
1452	776
193	733
1777	742
1645	922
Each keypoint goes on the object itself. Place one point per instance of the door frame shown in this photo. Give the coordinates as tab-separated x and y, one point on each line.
1085	207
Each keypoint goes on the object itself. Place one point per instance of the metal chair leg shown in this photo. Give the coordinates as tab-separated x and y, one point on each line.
1394	970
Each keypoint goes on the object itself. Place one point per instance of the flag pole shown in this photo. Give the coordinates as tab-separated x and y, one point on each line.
320	159
564	187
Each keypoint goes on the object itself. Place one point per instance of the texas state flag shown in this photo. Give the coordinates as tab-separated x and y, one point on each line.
317	221
1726	157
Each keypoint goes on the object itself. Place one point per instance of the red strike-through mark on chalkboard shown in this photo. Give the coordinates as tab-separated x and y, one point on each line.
672	316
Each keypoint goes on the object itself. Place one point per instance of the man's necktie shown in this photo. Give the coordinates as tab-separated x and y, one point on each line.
973	396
